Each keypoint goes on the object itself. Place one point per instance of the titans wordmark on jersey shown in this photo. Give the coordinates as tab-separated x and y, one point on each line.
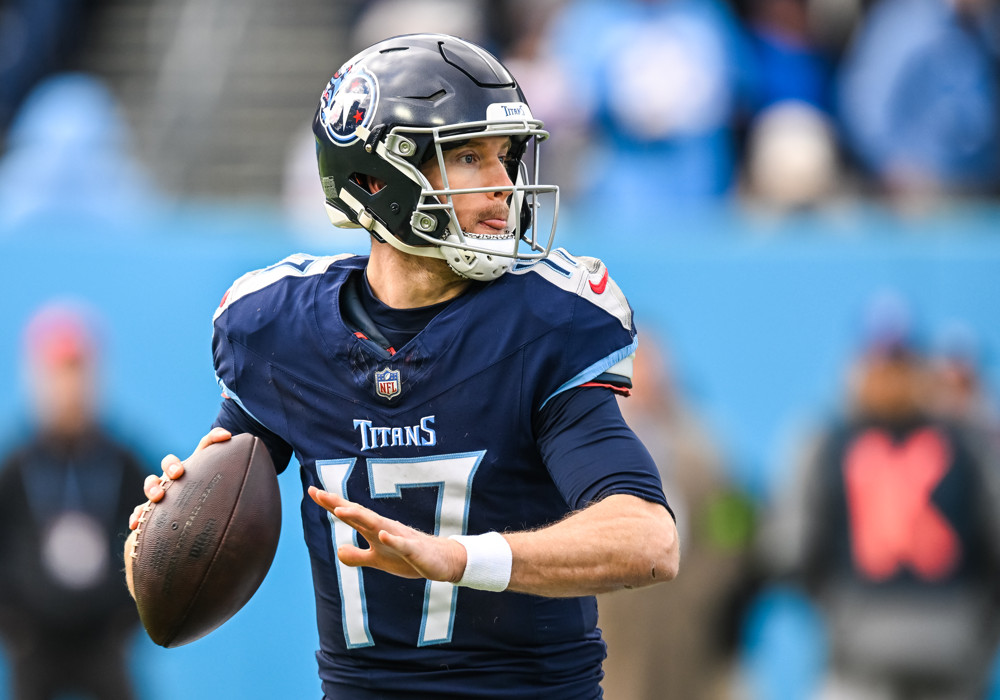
439	436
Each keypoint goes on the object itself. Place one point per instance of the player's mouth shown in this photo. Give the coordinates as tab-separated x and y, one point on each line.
493	222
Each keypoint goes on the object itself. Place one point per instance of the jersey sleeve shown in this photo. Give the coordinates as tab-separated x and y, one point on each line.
234	363
597	331
237	421
590	451
247	330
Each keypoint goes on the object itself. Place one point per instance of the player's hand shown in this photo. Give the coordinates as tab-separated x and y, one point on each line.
155	486
394	547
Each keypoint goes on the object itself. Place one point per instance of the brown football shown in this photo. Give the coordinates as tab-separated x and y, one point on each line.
204	549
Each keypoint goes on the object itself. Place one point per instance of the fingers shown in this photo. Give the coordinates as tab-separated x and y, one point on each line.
172	467
366	521
394	547
349	512
378	556
403	546
360	518
326	499
154	487
135	518
214	435
355	556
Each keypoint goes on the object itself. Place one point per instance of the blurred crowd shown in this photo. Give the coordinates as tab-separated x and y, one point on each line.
671	105
659	105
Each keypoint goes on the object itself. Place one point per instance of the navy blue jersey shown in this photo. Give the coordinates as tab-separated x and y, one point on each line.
451	434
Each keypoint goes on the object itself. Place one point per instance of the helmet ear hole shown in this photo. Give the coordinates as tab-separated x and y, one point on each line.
369	183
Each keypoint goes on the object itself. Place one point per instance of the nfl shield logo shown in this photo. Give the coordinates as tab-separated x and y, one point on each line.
387	382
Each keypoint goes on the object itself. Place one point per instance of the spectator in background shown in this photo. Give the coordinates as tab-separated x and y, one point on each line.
381	19
919	98
792	161
37	37
891	525
792	62
958	390
790	158
551	88
680	644
663	83
66	492
68	157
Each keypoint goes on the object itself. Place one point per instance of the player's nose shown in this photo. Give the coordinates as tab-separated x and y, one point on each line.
500	179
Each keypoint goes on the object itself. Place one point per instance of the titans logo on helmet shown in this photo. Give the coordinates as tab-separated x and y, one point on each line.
348	103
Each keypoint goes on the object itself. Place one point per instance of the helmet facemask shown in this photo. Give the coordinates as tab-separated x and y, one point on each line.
434	220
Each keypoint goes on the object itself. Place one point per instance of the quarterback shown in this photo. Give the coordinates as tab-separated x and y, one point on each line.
469	482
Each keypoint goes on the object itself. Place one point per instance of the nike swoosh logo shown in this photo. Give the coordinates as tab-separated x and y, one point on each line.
599	287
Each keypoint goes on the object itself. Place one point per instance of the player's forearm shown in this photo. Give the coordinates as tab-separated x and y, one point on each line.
620	542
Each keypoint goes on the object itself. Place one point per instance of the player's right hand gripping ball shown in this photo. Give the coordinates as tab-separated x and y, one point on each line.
204	549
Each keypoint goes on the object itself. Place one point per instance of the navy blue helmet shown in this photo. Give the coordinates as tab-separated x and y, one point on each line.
402	102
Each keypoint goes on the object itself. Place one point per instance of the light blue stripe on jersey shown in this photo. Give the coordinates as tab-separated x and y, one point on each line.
230	394
596	369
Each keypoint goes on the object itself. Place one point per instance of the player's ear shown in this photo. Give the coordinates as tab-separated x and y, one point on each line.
373	183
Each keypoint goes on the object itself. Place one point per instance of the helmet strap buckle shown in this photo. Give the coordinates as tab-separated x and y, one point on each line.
366	220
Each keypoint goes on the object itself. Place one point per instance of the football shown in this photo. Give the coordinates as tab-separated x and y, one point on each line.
203	550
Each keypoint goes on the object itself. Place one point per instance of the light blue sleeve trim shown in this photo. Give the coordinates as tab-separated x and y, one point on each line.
232	395
596	369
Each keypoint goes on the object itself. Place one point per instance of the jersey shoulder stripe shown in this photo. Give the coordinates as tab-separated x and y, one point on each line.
618	363
589	280
584	276
297	265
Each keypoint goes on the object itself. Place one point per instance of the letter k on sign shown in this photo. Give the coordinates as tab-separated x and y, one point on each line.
893	522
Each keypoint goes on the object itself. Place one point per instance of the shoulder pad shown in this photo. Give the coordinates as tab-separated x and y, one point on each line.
584	276
297	265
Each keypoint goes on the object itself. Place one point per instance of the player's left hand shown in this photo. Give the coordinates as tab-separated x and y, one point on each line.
394	547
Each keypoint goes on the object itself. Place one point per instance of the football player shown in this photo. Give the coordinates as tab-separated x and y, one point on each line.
450	398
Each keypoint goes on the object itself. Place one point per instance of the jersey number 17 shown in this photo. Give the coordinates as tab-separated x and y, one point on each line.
452	476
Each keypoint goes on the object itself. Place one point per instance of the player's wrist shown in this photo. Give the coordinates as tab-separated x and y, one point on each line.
460	559
488	561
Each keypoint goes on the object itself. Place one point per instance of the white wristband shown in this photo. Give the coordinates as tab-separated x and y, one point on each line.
487	567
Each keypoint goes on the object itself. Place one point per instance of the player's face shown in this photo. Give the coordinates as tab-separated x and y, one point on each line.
477	163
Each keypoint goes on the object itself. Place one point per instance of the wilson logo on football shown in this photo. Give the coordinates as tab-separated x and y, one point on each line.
348	103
